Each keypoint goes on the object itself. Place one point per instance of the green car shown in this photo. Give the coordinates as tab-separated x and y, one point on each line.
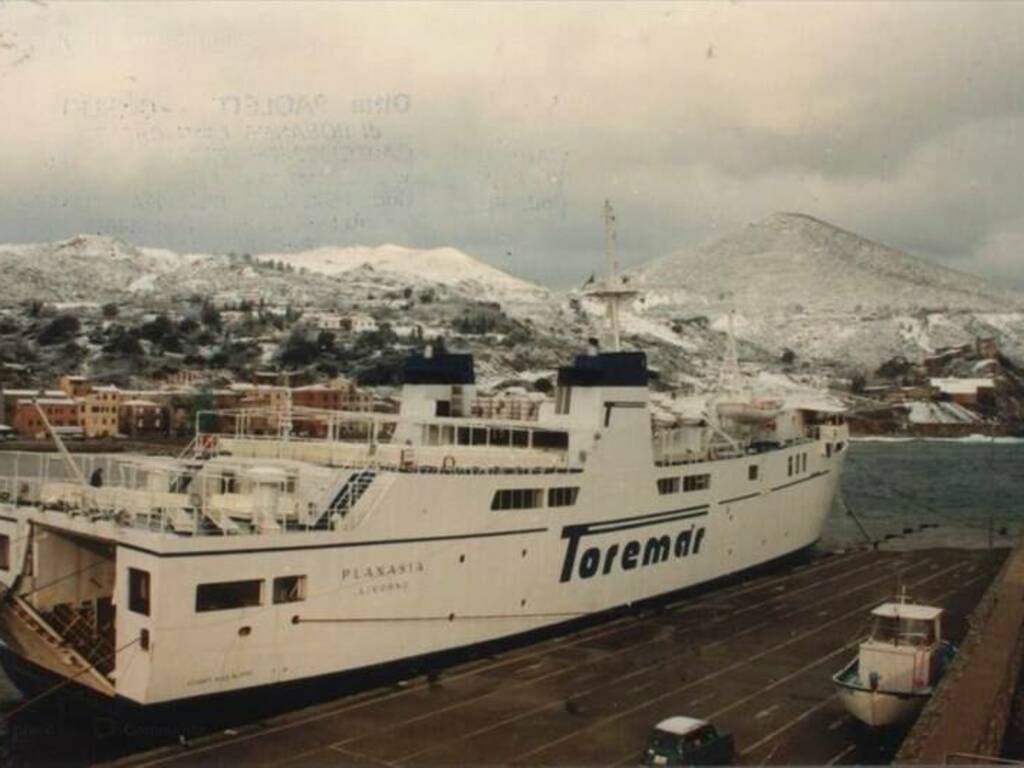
688	741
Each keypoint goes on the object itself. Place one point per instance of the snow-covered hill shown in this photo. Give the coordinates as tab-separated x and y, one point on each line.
447	266
99	268
82	268
791	260
795	282
800	283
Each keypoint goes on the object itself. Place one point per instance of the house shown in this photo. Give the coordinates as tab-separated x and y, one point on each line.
74	386
9	398
62	413
361	323
966	392
99	411
142	418
324	321
340	394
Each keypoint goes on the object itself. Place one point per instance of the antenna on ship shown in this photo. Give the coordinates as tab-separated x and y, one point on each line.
731	378
611	289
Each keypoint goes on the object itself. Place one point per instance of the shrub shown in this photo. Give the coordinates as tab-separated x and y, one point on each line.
62	328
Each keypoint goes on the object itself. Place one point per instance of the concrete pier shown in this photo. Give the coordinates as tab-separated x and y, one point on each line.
966	720
755	657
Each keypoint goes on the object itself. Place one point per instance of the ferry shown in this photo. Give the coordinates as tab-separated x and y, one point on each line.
290	546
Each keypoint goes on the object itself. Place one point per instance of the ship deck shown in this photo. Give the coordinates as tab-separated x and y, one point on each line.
754	656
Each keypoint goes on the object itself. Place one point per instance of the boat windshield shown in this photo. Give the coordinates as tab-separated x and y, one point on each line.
902	631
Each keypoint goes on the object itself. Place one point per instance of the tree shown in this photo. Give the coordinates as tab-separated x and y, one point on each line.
325	341
62	328
210	316
156	329
298	350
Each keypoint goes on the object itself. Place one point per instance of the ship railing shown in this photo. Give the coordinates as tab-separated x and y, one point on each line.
162	495
385	441
151	494
454	459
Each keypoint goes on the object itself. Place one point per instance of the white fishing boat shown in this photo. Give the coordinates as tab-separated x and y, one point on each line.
897	667
289	546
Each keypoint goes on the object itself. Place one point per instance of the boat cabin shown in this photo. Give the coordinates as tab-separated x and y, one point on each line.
904	652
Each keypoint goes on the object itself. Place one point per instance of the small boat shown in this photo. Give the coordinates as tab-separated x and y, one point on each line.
897	667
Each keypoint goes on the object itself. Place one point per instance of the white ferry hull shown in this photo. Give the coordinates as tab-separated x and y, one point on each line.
447	582
266	562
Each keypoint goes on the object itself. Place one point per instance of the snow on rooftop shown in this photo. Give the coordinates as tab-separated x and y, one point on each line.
954	386
927	412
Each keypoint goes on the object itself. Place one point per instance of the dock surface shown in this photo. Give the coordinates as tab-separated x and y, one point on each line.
755	657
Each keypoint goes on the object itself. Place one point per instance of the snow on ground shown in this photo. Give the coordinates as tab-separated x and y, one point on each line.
925	412
144	284
438	265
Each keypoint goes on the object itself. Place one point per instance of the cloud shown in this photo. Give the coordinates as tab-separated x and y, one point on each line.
501	128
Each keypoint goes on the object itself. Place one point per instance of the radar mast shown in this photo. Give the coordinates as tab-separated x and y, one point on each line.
611	289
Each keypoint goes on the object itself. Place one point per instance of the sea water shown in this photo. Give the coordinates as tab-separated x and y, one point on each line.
917	493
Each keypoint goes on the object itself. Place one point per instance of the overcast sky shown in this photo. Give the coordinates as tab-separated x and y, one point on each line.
500	128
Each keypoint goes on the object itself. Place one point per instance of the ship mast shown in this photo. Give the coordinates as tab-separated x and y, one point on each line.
611	289
730	378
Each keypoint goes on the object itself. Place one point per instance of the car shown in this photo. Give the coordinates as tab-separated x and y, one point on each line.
688	741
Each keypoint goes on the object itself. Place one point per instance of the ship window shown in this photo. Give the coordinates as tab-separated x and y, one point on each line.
500	437
5	553
520	438
696	482
138	591
752	472
668	485
789	466
227	483
903	631
517	498
479	436
225	595
562	497
443	408
289	589
563	399
544	439
463	435
803	463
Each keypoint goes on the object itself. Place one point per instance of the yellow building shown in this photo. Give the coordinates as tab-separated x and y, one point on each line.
99	411
74	386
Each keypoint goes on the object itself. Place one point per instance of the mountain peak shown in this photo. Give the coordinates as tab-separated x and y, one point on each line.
791	259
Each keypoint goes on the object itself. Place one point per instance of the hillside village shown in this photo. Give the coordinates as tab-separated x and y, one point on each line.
112	339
